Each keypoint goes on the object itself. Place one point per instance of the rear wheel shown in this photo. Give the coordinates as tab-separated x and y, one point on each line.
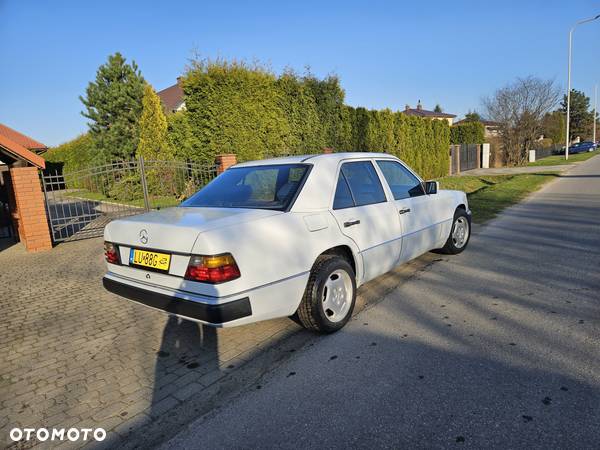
330	295
459	234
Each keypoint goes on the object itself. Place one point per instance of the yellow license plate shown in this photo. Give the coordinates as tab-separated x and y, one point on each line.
154	260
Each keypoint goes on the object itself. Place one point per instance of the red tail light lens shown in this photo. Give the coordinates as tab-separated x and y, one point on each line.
212	269
111	253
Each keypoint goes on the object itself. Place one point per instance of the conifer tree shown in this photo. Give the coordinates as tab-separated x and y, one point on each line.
113	103
153	140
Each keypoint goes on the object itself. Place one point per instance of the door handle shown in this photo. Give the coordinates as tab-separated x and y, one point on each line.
351	222
404	210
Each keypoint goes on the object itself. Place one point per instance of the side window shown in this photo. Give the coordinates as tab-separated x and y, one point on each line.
403	184
363	182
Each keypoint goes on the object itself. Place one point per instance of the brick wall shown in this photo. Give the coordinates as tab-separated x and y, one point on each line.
224	162
30	209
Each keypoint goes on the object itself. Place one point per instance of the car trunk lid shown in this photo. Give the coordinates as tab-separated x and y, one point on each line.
176	229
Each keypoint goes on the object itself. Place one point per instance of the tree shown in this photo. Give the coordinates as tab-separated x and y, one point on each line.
581	118
472	116
438	108
153	141
553	126
519	107
113	104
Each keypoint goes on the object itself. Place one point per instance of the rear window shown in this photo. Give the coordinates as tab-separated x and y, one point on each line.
261	187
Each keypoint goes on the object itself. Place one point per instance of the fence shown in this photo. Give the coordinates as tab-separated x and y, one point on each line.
79	204
549	151
464	157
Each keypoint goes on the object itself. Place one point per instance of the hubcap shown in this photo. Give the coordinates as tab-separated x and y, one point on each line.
460	234
337	295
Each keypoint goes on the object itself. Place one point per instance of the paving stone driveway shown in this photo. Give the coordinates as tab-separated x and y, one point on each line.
74	355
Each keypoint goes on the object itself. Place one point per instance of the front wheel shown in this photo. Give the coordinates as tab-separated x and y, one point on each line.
459	234
330	295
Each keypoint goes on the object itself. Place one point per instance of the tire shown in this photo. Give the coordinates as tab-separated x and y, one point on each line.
457	243
327	305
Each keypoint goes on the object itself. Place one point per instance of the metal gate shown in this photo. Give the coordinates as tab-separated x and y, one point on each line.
468	156
80	204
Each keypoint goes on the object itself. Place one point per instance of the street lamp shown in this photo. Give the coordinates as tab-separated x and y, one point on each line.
569	79
595	113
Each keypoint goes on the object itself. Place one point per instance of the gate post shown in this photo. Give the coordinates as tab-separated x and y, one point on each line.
144	184
224	162
30	209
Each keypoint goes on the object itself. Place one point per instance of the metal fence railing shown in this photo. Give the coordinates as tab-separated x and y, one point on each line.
80	204
548	151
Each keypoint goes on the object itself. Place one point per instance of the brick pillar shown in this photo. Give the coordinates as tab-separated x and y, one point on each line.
327	150
224	162
31	212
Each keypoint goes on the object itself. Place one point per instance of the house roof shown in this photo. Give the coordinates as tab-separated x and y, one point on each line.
487	123
17	151
22	140
427	113
171	97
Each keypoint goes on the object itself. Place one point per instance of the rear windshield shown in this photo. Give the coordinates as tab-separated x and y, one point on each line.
261	187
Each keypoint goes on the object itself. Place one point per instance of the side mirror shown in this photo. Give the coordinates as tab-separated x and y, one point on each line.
431	187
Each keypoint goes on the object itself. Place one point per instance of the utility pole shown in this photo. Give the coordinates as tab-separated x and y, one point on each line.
569	80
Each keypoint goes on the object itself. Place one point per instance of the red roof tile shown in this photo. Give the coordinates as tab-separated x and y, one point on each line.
172	97
21	139
21	152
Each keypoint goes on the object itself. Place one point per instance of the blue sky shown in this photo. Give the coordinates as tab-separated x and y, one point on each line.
387	54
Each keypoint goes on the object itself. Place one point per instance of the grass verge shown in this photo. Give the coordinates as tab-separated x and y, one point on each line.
559	160
488	195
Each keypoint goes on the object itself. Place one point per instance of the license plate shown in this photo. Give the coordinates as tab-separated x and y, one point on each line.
153	260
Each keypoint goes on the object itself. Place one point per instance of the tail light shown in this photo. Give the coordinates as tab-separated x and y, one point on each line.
212	269
111	252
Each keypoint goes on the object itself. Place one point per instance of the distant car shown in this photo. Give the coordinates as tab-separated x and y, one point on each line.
282	237
582	147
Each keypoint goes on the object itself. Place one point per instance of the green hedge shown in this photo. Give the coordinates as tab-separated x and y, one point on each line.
467	133
232	107
73	155
422	143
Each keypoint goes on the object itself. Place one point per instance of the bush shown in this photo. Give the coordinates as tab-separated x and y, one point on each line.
467	133
74	155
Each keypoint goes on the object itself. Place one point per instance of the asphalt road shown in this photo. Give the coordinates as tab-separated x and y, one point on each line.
497	347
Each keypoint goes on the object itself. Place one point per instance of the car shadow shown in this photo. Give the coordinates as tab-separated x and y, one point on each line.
188	352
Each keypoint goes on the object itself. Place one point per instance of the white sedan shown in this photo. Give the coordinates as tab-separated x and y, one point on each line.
283	237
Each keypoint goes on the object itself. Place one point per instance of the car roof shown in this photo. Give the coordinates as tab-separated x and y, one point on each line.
313	159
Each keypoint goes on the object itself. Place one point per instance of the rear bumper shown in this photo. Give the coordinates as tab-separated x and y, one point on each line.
214	314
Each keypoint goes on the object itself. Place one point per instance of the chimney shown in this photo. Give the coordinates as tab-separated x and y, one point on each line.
406	107
419	106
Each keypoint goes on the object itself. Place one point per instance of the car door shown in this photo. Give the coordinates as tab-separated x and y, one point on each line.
365	215
420	216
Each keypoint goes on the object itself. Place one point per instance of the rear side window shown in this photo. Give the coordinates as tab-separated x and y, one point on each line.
358	185
343	197
403	184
